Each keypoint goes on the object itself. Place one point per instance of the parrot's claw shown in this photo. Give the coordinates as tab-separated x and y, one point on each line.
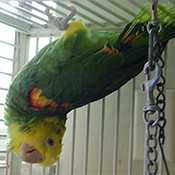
60	22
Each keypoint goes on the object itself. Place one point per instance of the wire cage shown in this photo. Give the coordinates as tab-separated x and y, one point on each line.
105	137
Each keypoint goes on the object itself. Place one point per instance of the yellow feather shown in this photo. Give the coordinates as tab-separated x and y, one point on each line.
37	135
74	27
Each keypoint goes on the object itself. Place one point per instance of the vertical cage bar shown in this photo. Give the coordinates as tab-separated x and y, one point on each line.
116	136
161	170
73	142
30	169
10	162
100	165
13	73
44	171
36	51
37	44
58	168
16	50
131	132
87	141
50	38
7	164
15	164
52	170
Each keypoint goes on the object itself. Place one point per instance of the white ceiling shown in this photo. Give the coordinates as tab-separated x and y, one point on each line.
30	16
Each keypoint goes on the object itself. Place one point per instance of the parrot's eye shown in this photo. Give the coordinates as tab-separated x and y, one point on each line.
50	141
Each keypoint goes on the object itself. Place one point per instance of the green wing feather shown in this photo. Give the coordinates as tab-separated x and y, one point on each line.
84	66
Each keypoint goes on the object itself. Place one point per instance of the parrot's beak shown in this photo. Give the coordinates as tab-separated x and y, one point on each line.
30	154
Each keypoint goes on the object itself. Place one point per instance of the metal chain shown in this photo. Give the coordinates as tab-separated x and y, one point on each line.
161	103
152	72
151	163
161	99
154	109
151	116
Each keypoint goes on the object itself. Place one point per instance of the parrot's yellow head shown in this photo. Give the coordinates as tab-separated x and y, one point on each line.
39	142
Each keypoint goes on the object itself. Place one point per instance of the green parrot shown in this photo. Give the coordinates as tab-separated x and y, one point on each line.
81	67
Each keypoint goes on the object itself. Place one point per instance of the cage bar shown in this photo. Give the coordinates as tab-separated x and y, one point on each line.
27	5
51	8
100	154
116	136
103	7
93	12
7	43
4	89
26	12
22	18
122	7
73	142
87	140
131	131
4	73
79	13
5	58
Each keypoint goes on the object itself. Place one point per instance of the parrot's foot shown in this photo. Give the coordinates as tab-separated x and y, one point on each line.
109	50
61	23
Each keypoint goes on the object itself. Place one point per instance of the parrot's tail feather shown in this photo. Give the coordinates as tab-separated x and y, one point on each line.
166	16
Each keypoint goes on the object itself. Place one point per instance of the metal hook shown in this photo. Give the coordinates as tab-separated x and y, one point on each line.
149	86
154	9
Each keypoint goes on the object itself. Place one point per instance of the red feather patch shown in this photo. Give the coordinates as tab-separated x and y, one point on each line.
39	101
